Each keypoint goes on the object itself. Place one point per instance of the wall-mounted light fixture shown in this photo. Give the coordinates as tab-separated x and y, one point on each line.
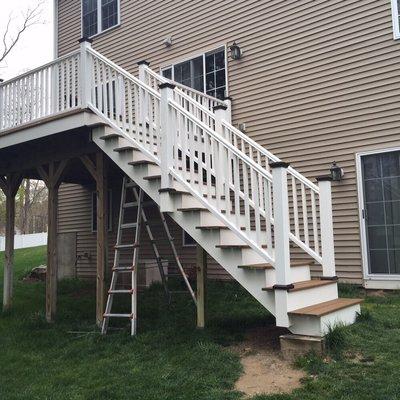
236	51
167	42
337	172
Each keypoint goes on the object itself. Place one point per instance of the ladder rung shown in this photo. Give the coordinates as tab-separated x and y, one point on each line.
120	291
130	225
126	246
123	269
130	204
118	316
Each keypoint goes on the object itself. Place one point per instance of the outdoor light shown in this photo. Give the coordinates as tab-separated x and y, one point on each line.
337	173
236	52
167	42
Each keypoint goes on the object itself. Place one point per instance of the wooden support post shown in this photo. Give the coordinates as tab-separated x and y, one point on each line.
99	174
52	179
9	184
201	269
102	225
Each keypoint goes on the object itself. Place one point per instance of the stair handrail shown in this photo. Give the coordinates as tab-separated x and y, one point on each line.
153	79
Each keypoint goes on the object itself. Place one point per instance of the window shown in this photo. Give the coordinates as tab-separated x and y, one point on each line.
206	73
98	16
396	18
188	241
94	211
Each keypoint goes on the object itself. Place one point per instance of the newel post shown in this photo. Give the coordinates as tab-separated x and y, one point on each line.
326	223
228	113
143	96
281	235
85	73
167	142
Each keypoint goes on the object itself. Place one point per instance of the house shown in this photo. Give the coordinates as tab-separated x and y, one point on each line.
309	83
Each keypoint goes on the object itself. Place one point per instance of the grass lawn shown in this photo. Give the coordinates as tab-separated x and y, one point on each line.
170	359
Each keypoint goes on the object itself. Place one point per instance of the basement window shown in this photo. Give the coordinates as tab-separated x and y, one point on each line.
99	16
396	18
188	241
205	73
94	211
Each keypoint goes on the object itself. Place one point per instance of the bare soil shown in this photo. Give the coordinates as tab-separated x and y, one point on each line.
265	371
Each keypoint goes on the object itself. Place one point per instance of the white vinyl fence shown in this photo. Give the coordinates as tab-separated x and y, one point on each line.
25	241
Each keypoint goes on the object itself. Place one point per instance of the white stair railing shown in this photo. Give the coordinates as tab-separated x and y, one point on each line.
201	146
307	202
42	92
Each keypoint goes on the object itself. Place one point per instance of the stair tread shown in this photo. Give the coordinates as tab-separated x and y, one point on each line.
183	209
232	246
124	148
212	227
304	285
299	263
327	307
152	177
111	136
142	162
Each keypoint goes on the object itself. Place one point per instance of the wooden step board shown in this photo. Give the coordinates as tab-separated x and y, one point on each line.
304	285
299	263
327	307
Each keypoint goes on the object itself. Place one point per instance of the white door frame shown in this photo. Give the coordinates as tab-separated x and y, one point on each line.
363	236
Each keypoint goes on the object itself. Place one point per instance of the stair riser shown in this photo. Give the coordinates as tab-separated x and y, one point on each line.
298	274
139	156
319	326
189	201
312	296
229	237
249	256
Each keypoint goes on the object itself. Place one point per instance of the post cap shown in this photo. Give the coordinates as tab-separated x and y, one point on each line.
279	164
324	178
143	62
227	98
220	107
166	85
85	39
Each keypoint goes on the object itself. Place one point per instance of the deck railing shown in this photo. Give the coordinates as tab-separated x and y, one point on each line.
187	133
45	91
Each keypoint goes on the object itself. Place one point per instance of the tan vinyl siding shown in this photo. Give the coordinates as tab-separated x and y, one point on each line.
318	82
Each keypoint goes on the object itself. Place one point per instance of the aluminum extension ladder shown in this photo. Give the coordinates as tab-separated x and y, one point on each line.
137	205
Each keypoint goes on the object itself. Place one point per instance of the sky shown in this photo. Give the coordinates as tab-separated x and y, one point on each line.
36	44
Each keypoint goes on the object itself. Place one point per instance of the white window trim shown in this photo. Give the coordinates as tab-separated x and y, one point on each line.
201	54
110	211
395	20
363	233
184	244
99	31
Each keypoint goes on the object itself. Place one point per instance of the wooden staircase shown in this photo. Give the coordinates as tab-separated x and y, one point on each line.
313	305
239	201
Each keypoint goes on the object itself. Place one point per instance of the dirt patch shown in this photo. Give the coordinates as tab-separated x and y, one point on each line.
265	371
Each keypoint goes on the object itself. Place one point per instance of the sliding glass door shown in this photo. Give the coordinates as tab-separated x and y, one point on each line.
381	211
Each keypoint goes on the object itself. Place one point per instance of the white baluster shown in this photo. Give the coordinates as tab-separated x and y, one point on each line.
326	224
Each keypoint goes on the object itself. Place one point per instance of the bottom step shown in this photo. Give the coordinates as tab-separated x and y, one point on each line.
316	320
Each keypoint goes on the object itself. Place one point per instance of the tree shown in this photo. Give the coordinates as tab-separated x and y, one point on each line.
30	17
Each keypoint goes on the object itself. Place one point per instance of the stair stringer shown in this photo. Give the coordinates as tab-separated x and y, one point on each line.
228	259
